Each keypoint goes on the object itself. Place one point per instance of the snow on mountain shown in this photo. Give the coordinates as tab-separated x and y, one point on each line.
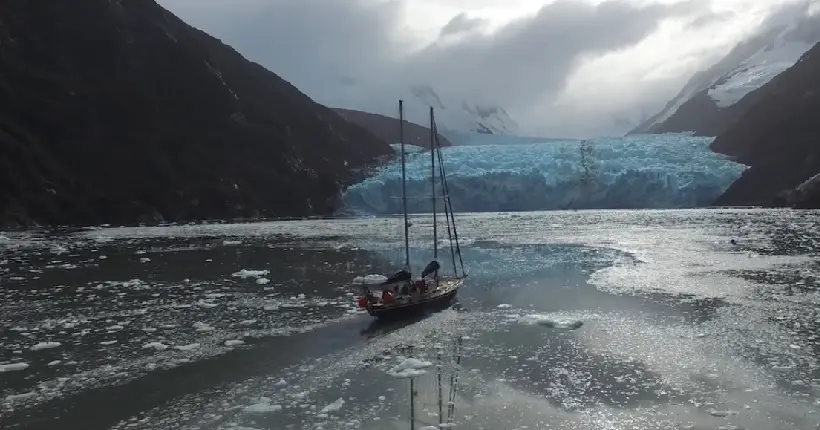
462	115
701	106
759	69
453	113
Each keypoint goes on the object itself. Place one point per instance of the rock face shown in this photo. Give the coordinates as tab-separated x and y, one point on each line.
387	128
779	137
714	99
117	111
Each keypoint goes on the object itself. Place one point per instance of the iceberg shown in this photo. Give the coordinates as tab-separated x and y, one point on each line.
675	170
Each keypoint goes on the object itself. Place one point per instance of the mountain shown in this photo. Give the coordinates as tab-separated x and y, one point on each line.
715	98
117	111
778	137
464	115
453	113
387	128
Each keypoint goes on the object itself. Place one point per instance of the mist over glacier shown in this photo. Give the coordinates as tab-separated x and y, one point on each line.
514	174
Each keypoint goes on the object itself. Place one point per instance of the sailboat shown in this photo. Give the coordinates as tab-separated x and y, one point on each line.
404	293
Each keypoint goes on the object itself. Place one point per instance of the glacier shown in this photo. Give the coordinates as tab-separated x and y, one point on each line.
633	172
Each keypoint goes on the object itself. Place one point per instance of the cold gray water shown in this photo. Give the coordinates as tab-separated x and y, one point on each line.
568	320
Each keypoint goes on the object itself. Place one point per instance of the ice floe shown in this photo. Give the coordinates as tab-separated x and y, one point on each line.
248	273
552	321
409	368
13	367
45	345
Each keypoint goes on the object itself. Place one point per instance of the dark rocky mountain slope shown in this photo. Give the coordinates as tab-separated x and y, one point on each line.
117	111
779	137
387	128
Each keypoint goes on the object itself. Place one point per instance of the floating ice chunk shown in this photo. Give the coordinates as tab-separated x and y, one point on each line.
504	306
551	321
231	242
159	346
144	260
246	273
108	342
369	279
45	345
262	281
263	408
13	367
201	326
333	407
206	305
409	368
234	342
54	363
721	414
21	396
281	383
188	347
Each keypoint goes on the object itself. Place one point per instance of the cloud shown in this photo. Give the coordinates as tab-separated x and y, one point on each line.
352	53
702	21
461	23
532	58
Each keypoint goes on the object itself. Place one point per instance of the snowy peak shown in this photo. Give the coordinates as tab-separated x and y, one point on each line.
702	105
491	119
464	115
426	94
771	60
453	113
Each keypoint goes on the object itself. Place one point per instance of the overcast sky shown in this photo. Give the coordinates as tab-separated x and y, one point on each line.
559	67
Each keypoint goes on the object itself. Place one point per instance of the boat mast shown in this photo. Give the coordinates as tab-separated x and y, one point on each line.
440	404
404	189
433	180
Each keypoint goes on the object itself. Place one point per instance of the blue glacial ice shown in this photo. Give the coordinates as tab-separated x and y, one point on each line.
634	172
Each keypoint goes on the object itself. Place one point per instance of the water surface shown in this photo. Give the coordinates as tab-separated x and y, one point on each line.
569	320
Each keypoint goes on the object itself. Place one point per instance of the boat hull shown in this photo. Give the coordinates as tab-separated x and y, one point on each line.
432	303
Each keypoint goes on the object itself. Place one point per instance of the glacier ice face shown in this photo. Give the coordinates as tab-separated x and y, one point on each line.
641	171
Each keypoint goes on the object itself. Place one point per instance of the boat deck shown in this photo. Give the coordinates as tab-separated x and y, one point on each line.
446	290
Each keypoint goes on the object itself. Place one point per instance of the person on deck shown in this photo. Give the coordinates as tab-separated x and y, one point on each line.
387	297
